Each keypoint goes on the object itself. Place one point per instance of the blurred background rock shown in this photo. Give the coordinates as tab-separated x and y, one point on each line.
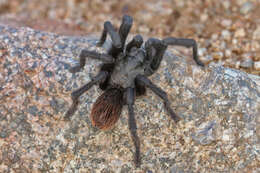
227	31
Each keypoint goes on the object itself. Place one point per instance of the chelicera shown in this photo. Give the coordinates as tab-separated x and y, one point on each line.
124	76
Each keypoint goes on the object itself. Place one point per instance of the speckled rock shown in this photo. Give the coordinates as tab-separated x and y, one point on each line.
246	7
219	107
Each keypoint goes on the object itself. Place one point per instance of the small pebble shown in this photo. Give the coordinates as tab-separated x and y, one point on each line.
247	63
206	58
217	55
234	41
226	4
257	65
226	34
226	23
228	53
3	134
247	56
256	34
202	51
240	33
230	62
237	64
223	45
204	17
246	7
256	46
1	53
214	36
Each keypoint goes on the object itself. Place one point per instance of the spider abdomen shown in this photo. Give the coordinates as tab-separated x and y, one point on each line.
107	109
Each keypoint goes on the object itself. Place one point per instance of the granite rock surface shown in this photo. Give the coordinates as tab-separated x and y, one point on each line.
219	107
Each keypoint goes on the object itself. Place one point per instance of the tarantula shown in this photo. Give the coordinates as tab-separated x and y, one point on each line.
124	75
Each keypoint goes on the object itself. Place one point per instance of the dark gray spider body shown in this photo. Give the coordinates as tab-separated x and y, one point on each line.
124	75
128	67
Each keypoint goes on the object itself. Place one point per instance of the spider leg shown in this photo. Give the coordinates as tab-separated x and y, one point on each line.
124	29
130	97
101	77
108	28
155	50
187	43
158	91
91	54
137	42
139	88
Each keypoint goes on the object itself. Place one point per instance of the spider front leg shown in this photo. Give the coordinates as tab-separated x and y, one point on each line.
155	50
187	43
137	42
125	28
123	32
130	98
91	54
101	77
158	91
108	28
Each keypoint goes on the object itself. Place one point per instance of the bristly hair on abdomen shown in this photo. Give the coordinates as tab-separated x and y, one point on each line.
107	109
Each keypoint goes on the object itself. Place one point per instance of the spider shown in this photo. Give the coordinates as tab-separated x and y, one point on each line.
124	76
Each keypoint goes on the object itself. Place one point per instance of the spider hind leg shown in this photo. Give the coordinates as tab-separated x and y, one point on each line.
108	68
130	98
158	91
76	94
139	88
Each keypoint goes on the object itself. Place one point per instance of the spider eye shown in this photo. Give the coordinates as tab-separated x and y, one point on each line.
107	109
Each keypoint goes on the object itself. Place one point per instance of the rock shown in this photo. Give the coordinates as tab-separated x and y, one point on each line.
219	108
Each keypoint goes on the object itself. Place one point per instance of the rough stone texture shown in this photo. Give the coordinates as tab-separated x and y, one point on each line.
229	29
220	108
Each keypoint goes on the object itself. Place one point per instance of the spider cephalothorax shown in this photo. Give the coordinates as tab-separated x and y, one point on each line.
123	76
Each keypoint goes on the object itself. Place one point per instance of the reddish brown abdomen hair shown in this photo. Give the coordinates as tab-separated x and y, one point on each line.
107	109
